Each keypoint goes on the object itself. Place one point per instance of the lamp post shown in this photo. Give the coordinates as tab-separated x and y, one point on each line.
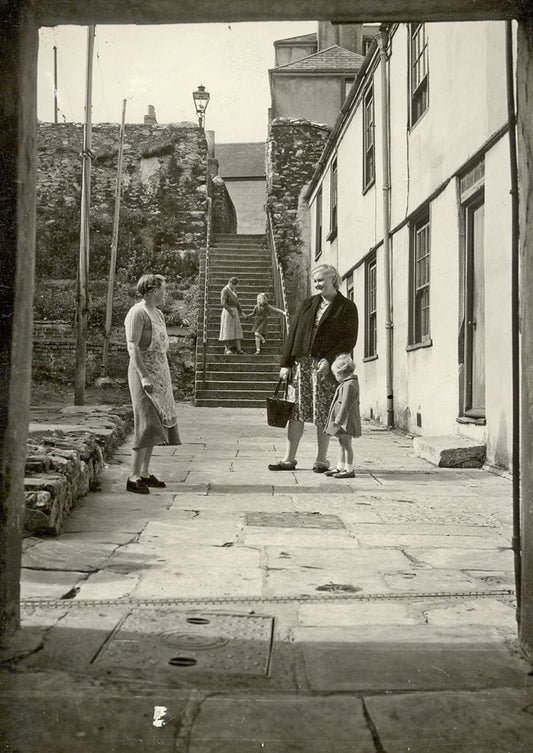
201	100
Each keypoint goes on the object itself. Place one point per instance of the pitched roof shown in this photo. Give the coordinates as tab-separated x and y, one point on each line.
241	160
303	39
333	58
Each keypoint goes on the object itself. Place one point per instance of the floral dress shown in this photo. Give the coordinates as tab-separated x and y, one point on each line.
155	416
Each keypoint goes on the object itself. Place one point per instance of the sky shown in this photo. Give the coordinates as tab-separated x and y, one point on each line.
162	66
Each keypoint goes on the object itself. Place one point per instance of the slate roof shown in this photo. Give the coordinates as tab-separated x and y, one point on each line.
333	58
241	160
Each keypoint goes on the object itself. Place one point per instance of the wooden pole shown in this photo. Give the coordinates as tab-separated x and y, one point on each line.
83	264
114	246
55	84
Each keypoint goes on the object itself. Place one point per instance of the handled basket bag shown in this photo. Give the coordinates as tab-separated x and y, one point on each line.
278	407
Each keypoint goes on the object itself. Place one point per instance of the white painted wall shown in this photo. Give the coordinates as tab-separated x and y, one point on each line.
249	198
467	106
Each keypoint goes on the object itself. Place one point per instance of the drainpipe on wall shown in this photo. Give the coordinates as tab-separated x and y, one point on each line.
383	41
515	314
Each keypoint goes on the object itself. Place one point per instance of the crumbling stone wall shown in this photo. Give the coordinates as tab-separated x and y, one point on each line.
163	206
293	149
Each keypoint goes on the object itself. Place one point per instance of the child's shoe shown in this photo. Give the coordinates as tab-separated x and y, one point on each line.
344	474
333	471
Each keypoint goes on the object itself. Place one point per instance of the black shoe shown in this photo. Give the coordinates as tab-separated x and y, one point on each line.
151	480
139	487
282	466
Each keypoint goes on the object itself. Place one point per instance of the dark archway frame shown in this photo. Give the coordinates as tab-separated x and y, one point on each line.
19	24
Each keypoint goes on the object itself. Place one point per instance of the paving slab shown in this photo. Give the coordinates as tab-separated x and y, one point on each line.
69	553
48	584
354	614
226	504
489	721
89	721
400	667
280	724
464	559
485	612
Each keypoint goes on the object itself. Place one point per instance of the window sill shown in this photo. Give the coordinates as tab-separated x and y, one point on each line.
417	121
370	358
471	420
368	186
417	346
332	235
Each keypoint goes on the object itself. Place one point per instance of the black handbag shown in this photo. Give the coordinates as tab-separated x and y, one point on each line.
278	407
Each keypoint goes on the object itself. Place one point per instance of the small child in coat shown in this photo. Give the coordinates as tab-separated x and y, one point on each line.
260	324
344	420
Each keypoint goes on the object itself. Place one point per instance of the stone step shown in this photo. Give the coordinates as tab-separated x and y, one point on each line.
253	377
222	402
266	386
450	451
263	362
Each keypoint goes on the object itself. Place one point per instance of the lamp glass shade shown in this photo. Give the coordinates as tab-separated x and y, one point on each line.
201	99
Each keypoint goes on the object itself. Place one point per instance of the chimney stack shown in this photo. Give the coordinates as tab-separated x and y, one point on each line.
150	118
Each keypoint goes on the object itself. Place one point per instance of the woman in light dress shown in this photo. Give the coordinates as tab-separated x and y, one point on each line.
230	323
154	409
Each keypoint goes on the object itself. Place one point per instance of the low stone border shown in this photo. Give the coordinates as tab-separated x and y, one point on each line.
67	449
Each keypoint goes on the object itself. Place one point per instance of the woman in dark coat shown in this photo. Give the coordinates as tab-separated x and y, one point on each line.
325	325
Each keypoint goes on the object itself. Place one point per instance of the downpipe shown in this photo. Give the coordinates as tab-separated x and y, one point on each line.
515	314
383	41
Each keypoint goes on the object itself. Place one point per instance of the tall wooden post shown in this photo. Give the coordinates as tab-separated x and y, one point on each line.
18	115
82	297
524	73
114	246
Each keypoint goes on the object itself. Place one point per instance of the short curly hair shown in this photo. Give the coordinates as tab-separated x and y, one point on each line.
343	366
149	282
329	271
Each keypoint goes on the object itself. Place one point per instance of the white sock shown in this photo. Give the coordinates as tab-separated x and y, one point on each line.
349	466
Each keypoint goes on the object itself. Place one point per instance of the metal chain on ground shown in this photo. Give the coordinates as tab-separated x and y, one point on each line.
163	602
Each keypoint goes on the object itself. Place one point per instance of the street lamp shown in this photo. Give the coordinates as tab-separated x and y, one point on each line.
201	100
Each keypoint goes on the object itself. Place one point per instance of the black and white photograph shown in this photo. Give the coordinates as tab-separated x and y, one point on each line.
266	367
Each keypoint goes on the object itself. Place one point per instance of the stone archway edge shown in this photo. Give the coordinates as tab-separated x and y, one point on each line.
55	12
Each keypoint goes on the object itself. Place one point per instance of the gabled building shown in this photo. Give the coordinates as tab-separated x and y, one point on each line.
242	167
314	72
415	190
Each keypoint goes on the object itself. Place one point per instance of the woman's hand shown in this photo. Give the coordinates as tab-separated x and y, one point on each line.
323	368
284	373
147	385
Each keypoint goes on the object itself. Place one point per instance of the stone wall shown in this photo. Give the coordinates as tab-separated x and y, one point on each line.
293	150
163	206
54	351
224	215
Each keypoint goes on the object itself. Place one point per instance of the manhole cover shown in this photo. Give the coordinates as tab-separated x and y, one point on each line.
293	520
207	642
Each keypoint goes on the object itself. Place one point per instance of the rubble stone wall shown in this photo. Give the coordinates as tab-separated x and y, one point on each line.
163	203
293	150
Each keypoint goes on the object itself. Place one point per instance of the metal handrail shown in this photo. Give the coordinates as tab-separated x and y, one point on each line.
279	277
206	272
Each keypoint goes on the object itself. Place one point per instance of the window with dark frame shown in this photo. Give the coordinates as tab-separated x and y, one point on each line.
368	138
419	281
418	78
318	225
333	201
370	308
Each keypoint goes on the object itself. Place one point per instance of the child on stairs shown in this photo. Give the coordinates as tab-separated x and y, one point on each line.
260	324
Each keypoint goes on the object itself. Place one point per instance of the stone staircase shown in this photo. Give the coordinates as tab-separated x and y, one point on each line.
242	381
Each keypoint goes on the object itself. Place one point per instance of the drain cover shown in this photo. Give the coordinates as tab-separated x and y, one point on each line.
206	642
293	520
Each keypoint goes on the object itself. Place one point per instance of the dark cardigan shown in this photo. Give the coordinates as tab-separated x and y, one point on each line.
336	333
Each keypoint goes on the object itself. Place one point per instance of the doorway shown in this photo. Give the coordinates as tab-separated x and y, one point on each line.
473	210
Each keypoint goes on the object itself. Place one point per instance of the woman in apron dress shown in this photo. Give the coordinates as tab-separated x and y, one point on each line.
154	409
